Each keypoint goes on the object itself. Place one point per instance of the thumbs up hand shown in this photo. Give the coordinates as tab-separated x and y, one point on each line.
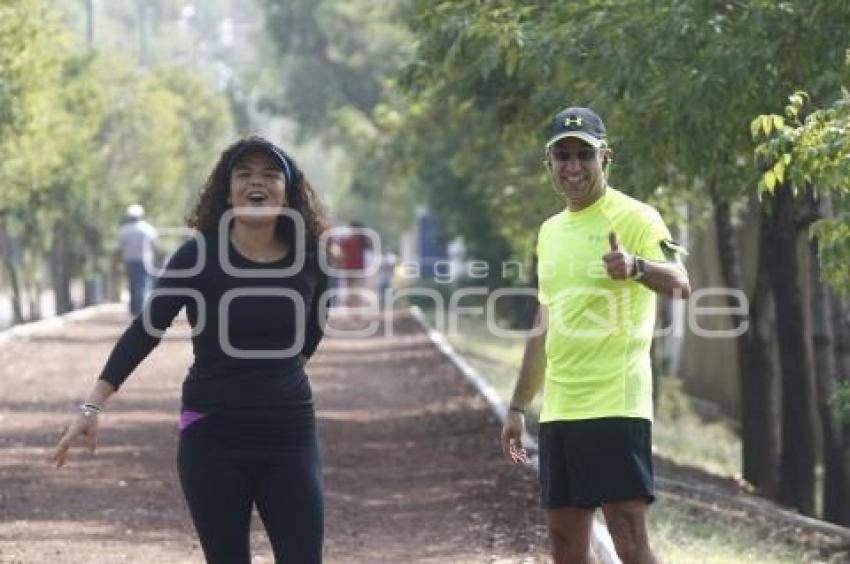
612	240
618	263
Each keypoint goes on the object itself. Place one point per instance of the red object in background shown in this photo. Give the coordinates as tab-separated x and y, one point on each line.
353	246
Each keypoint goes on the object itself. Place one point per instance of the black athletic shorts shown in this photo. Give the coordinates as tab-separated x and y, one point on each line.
589	462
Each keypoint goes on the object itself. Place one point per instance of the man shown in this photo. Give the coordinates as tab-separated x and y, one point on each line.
355	249
600	263
136	240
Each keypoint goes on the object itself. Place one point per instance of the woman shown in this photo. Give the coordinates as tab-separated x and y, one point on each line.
251	285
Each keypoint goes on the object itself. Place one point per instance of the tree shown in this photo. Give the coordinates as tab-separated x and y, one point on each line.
335	57
805	159
31	42
83	135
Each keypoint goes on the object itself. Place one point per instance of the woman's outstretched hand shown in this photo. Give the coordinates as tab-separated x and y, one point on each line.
83	427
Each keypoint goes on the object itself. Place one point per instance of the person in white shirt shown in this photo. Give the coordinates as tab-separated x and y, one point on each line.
136	240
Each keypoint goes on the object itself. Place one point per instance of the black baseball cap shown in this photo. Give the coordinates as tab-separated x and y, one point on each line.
260	145
581	123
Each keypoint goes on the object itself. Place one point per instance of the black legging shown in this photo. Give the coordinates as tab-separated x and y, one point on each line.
228	464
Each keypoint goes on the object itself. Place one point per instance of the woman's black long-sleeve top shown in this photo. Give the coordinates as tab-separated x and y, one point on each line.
253	324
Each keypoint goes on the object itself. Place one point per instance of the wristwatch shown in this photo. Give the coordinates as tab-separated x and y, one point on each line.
638	268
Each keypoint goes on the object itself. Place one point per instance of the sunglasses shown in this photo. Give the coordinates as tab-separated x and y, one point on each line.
583	155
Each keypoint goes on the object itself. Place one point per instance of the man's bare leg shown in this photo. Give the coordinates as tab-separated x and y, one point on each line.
569	531
628	524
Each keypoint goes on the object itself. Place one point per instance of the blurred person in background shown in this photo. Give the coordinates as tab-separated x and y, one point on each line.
386	278
355	249
136	243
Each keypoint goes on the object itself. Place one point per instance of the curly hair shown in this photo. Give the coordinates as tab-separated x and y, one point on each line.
300	196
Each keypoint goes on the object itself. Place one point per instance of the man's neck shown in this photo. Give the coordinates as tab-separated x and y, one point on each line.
575	206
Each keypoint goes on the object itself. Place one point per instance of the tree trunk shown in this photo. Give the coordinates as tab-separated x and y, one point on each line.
761	415
841	333
34	298
656	355
94	289
834	492
841	327
760	421
798	456
15	285
11	269
59	269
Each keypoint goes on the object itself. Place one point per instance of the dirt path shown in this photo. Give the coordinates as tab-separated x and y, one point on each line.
412	468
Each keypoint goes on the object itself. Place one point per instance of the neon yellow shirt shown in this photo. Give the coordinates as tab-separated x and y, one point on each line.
600	329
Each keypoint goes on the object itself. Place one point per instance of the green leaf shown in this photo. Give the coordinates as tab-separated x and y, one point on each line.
778	122
779	171
755	125
770	180
766	124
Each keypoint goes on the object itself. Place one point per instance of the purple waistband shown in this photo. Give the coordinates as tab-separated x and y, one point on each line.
187	417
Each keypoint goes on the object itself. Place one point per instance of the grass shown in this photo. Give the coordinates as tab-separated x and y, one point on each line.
680	435
681	532
682	535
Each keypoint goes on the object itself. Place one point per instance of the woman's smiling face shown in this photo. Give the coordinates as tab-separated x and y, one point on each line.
257	182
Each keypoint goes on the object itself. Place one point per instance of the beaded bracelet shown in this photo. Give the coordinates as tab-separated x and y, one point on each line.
90	409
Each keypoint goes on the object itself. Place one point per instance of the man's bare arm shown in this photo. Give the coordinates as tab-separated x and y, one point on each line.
533	367
529	382
668	278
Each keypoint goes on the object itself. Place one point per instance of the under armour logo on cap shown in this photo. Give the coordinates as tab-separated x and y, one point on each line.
573	122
